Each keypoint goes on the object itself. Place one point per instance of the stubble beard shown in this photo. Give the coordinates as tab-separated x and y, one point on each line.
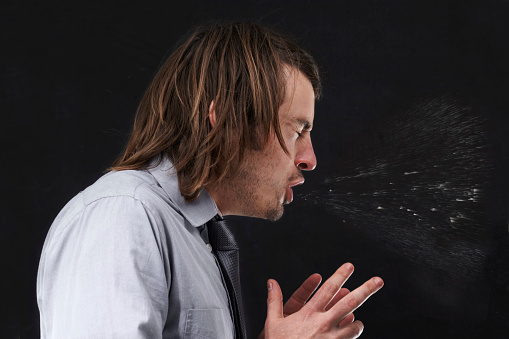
274	212
271	210
253	203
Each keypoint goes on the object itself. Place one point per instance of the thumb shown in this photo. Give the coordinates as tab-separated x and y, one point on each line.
274	301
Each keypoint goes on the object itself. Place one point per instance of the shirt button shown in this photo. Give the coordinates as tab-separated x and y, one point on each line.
209	246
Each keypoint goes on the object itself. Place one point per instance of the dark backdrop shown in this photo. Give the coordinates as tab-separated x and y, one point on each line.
408	84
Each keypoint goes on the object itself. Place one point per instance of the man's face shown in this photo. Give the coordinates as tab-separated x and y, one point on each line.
264	181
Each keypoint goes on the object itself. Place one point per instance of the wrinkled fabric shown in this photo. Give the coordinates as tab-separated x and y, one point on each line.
127	258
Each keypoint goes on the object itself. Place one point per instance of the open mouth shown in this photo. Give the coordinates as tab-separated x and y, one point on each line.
289	192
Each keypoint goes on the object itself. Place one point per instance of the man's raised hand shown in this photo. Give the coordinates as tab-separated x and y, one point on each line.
327	315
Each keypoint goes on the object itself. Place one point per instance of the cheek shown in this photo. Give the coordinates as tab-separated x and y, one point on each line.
273	163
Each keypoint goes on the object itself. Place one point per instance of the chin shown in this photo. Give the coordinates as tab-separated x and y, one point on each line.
275	214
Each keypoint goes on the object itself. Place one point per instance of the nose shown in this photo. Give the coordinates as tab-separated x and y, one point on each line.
305	159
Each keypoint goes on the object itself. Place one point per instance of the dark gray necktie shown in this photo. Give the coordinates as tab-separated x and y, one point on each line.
226	250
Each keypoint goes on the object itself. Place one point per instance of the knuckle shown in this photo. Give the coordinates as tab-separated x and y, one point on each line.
345	270
308	290
330	288
272	298
353	302
371	285
342	272
298	299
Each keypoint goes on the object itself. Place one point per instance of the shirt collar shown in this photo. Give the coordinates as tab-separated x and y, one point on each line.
197	212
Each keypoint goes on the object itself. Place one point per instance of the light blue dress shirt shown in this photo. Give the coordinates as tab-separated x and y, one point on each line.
127	258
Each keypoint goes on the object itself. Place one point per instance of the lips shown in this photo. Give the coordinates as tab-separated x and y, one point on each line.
289	192
288	196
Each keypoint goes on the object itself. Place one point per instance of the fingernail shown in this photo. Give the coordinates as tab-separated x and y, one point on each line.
349	267
269	285
379	282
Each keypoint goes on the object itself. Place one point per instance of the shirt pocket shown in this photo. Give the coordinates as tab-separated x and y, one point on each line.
208	323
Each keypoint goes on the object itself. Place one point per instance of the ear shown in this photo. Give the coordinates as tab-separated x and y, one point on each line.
212	114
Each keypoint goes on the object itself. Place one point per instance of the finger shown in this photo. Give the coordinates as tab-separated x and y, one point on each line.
353	330
342	292
330	288
302	294
356	298
274	301
348	320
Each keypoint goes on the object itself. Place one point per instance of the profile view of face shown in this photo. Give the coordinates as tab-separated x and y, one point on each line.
263	184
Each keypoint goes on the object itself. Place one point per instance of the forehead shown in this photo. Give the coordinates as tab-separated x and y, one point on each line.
299	104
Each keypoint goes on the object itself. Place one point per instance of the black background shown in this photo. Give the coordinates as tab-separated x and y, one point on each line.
74	72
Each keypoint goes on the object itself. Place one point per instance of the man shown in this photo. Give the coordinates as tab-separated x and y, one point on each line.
223	129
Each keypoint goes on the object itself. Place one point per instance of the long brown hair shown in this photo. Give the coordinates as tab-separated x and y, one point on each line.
240	68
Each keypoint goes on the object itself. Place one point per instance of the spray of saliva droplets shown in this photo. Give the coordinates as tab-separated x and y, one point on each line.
418	186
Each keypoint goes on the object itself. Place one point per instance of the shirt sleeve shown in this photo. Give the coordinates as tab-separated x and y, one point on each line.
103	275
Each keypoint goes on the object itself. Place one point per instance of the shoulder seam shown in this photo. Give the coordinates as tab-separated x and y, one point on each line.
86	204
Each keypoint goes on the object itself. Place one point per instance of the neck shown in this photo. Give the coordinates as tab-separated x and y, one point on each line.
220	199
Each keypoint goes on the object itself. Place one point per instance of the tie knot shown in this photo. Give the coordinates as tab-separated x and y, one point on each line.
220	237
